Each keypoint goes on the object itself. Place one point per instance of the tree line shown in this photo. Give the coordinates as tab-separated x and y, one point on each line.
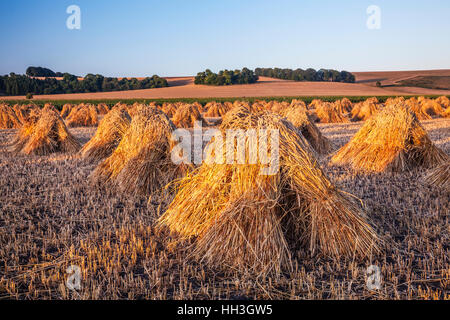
42	72
226	77
306	75
229	77
14	84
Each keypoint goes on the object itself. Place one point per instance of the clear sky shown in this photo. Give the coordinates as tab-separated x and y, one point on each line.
182	37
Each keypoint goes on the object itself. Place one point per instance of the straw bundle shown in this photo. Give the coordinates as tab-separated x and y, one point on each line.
8	119
248	221
390	100
169	109
346	105
108	135
131	109
392	140
66	109
440	177
83	116
277	107
102	109
48	135
432	107
330	113
315	103
260	104
364	110
142	162
446	113
256	108
295	103
51	107
416	107
198	105
215	110
186	115
444	101
27	113
299	118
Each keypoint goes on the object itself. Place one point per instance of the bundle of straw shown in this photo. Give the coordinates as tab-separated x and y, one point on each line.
388	101
102	109
346	105
186	115
364	110
248	221
142	162
27	113
66	109
298	116
314	103
331	113
48	135
8	119
108	135
416	106
392	140
83	116
446	113
277	107
259	104
439	177
432	107
169	109
295	103
199	106
131	109
215	110
444	101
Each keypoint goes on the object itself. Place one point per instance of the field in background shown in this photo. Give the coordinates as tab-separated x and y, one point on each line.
430	82
184	87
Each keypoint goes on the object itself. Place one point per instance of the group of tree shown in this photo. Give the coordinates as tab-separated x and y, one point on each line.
42	72
226	77
306	75
13	84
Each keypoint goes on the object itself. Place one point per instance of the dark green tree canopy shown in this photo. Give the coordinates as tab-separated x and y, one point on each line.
13	84
306	75
226	77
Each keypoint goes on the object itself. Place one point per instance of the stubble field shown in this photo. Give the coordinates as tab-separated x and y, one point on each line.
52	217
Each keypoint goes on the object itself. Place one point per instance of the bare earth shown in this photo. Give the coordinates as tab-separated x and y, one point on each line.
184	87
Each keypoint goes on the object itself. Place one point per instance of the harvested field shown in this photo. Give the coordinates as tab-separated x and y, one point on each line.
184	87
51	217
430	82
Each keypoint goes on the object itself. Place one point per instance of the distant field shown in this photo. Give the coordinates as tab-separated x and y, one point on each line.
430	82
184	87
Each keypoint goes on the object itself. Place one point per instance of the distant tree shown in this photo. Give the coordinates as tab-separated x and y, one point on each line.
39	72
378	84
226	77
29	96
22	84
347	77
306	75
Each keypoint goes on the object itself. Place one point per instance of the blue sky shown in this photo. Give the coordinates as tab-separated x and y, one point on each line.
172	37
